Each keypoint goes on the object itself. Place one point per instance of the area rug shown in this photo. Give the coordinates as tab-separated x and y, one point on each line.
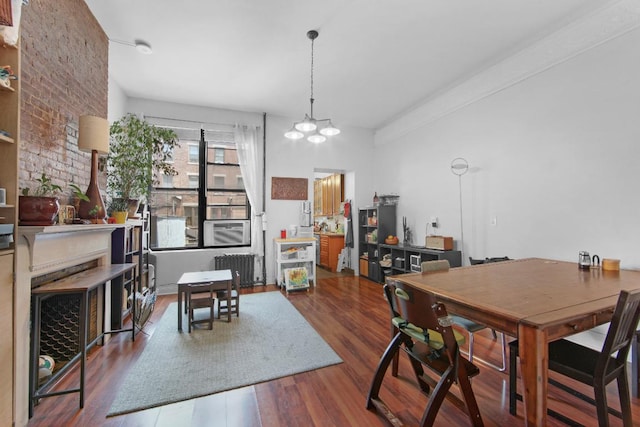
269	340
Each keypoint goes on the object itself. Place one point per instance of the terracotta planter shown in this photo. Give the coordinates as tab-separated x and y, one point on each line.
132	207
37	210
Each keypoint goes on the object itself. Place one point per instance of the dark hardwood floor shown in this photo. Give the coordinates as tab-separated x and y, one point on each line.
352	316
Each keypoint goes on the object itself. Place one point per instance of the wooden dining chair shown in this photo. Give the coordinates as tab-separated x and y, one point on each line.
235	297
425	333
426	267
199	296
469	325
592	367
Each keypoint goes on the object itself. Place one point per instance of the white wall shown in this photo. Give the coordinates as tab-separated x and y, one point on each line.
117	101
554	159
351	151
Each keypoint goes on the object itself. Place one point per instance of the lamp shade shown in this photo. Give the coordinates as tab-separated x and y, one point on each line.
93	134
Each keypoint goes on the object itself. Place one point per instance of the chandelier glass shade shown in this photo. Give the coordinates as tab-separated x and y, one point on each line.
316	130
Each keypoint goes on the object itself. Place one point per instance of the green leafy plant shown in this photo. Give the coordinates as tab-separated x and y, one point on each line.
44	188
138	153
94	211
118	205
78	193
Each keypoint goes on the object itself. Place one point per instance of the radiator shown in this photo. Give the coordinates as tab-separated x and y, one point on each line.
242	263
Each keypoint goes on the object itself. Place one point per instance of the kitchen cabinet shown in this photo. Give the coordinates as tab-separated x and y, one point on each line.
9	148
328	195
317	197
295	252
338	193
330	247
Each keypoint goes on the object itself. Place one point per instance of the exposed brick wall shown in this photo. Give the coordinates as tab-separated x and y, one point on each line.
64	75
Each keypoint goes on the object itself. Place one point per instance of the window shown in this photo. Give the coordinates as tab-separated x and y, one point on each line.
194	153
193	180
179	211
218	181
170	154
167	181
218	155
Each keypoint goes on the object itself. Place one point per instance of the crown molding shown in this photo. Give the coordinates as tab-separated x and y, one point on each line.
594	29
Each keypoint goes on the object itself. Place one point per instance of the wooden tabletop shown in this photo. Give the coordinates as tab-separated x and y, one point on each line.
85	280
195	277
534	290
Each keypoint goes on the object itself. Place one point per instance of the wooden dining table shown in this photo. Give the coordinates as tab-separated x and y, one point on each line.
536	300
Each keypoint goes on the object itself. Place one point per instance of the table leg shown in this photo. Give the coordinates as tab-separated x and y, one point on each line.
179	308
35	352
635	365
534	351
84	305
229	300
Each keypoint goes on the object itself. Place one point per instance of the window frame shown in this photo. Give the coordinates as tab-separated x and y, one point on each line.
202	192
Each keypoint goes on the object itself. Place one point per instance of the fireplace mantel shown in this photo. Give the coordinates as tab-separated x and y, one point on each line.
42	250
58	246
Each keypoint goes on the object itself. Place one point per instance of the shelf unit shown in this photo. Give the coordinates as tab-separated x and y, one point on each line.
127	247
402	257
296	252
9	149
374	223
147	281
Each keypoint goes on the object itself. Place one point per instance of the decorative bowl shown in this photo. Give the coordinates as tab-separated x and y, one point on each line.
389	241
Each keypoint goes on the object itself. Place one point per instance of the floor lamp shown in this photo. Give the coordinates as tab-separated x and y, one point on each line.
459	167
93	136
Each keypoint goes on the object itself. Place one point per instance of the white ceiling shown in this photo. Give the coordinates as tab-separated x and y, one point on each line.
374	59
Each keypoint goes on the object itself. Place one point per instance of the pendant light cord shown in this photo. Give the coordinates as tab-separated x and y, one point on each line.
311	99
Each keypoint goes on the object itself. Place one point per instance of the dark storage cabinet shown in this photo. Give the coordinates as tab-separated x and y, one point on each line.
375	224
407	259
128	245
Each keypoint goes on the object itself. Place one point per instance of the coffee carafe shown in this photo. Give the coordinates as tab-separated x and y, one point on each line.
584	260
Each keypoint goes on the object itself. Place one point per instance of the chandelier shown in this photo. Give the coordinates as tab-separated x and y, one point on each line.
317	129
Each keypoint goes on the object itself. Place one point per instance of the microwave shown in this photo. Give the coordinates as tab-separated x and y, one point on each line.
228	232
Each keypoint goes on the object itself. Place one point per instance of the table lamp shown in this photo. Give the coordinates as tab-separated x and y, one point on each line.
93	136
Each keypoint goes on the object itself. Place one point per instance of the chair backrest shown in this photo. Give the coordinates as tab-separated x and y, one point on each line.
236	280
437	265
473	261
497	259
199	288
421	309
621	330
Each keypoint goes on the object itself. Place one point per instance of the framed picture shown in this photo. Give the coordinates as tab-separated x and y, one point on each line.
296	278
289	188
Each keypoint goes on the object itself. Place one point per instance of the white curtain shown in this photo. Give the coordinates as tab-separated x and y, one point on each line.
247	140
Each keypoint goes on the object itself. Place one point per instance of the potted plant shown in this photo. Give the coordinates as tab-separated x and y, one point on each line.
118	209
78	196
138	153
39	205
